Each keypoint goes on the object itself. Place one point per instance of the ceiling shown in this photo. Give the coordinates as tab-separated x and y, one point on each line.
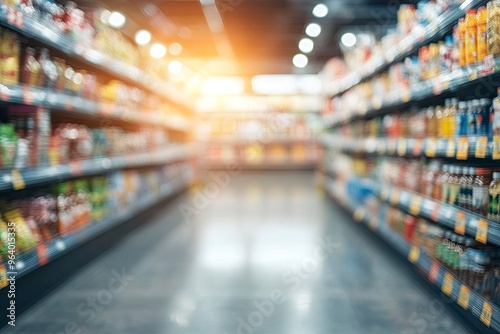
257	36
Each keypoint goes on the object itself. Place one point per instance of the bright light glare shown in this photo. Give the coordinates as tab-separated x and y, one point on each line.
465	4
175	49
223	86
175	67
313	30
158	50
306	45
300	60
320	10
105	16
348	39
142	37
116	20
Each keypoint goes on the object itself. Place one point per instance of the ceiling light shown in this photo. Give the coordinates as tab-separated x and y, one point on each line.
175	67
313	30
142	37
306	45
116	20
320	10
348	39
175	49
300	60
158	50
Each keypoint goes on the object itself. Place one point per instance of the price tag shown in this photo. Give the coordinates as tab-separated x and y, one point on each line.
482	231
395	196
68	103
450	148
433	273
43	257
435	213
4	93
473	75
496	147
481	147
486	313
402	147
17	180
463	148
437	86
358	215
27	96
3	276
460	223
76	167
447	286
463	297
405	95
430	147
488	65
417	147
414	254
377	103
415	204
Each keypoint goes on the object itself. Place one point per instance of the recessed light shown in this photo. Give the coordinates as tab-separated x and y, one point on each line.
313	30
320	10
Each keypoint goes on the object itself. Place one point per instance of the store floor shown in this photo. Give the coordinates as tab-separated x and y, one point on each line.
266	253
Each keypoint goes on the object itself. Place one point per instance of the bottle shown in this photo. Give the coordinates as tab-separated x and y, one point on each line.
445	186
494	198
461	43
461	117
431	123
470	180
493	27
480	191
440	122
452	117
470	37
483	118
495	116
454	181
31	68
462	196
482	44
430	178
473	109
445	127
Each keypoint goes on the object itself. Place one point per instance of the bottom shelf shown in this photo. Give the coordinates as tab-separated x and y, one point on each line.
437	274
44	253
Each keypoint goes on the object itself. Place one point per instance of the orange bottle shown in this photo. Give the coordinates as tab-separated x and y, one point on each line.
482	43
470	37
461	42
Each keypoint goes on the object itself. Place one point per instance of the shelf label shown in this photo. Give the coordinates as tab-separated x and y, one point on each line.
460	223
405	95
17	180
447	286
433	273
435	213
496	147
76	167
417	147
463	296
463	148
43	257
415	204
437	86
414	254
68	103
482	231
488	65
376	103
3	276
395	196
358	215
481	147
450	148
486	313
4	93
27	95
402	147
430	148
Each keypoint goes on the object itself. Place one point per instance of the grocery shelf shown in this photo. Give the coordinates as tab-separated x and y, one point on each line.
24	178
76	105
463	148
31	28
44	253
269	165
229	140
461	79
487	312
406	47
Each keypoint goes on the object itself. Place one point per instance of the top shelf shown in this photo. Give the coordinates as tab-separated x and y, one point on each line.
26	26
406	47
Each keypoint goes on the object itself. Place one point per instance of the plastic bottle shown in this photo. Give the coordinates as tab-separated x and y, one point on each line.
495	116
494	198
431	123
463	193
483	118
445	186
461	43
440	122
480	191
470	37
452	117
470	181
481	41
454	181
472	116
461	117
430	178
445	125
493	27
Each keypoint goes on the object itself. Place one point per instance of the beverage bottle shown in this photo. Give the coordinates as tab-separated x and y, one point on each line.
445	186
461	117
494	198
440	122
482	44
470	180
462	196
480	191
473	110
431	124
495	116
452	117
430	178
470	36
454	181
31	68
445	127
461	43
483	118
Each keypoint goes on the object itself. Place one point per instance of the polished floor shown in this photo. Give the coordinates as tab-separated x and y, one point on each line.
254	253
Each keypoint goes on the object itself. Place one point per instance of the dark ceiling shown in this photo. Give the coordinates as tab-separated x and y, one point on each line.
262	35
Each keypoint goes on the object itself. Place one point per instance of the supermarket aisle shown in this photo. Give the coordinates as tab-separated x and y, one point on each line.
266	254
